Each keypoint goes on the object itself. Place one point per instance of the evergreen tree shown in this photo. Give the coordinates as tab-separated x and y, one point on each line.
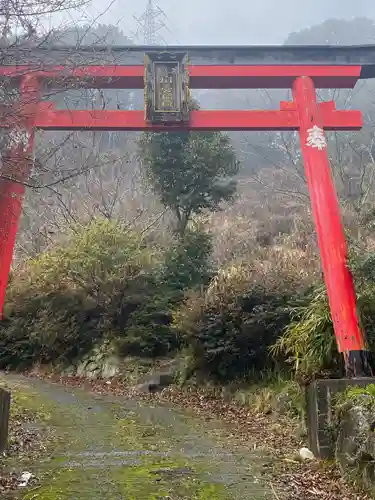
189	171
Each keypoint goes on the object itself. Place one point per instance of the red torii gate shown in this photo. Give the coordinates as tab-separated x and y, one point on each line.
303	69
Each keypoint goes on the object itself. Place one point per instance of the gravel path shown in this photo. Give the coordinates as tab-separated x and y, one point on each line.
113	448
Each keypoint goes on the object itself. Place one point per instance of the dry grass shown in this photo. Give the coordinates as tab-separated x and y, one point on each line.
269	230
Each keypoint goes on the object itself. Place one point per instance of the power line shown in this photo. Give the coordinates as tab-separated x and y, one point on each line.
151	24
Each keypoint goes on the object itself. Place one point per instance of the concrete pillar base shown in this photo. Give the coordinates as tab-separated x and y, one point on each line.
319	397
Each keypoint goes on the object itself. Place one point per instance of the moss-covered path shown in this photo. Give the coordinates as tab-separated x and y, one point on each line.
112	449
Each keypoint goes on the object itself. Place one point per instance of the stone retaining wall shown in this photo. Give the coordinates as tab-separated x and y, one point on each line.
101	362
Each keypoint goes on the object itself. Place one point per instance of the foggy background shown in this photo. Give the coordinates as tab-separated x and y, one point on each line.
82	175
219	22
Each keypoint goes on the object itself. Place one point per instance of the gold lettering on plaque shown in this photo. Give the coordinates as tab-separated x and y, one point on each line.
166	91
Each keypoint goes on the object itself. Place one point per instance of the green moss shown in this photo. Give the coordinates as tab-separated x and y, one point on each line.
149	481
68	484
117	450
142	482
364	396
25	404
343	401
22	407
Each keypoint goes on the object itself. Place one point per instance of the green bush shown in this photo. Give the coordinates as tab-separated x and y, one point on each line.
53	327
105	283
70	297
230	327
309	341
186	267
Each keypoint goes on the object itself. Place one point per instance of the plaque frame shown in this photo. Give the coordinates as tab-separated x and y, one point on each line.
182	111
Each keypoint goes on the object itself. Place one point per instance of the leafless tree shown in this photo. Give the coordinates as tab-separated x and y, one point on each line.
76	176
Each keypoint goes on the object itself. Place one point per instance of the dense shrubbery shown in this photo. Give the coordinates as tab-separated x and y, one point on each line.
261	315
50	326
71	296
230	327
105	283
109	283
185	267
309	342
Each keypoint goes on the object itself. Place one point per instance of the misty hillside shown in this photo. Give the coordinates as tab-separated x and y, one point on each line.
240	22
271	168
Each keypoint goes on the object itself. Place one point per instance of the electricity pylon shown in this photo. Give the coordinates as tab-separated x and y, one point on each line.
151	24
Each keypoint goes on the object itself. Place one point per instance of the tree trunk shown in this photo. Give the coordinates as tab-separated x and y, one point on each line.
182	222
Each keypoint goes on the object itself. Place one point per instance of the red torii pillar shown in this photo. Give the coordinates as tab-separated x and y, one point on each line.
14	172
350	338
325	208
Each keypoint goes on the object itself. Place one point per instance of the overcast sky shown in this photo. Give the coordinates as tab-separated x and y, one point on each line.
228	21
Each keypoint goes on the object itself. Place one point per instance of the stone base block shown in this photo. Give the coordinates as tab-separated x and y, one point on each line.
4	418
319	411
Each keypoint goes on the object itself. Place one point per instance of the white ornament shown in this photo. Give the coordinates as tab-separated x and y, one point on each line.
316	138
19	137
24	479
306	454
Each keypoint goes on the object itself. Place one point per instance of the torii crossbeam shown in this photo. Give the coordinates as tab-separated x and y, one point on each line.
166	74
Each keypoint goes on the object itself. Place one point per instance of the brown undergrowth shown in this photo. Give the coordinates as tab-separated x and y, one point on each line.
28	440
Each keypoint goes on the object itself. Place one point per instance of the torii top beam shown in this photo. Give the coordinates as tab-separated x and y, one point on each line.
213	55
210	66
